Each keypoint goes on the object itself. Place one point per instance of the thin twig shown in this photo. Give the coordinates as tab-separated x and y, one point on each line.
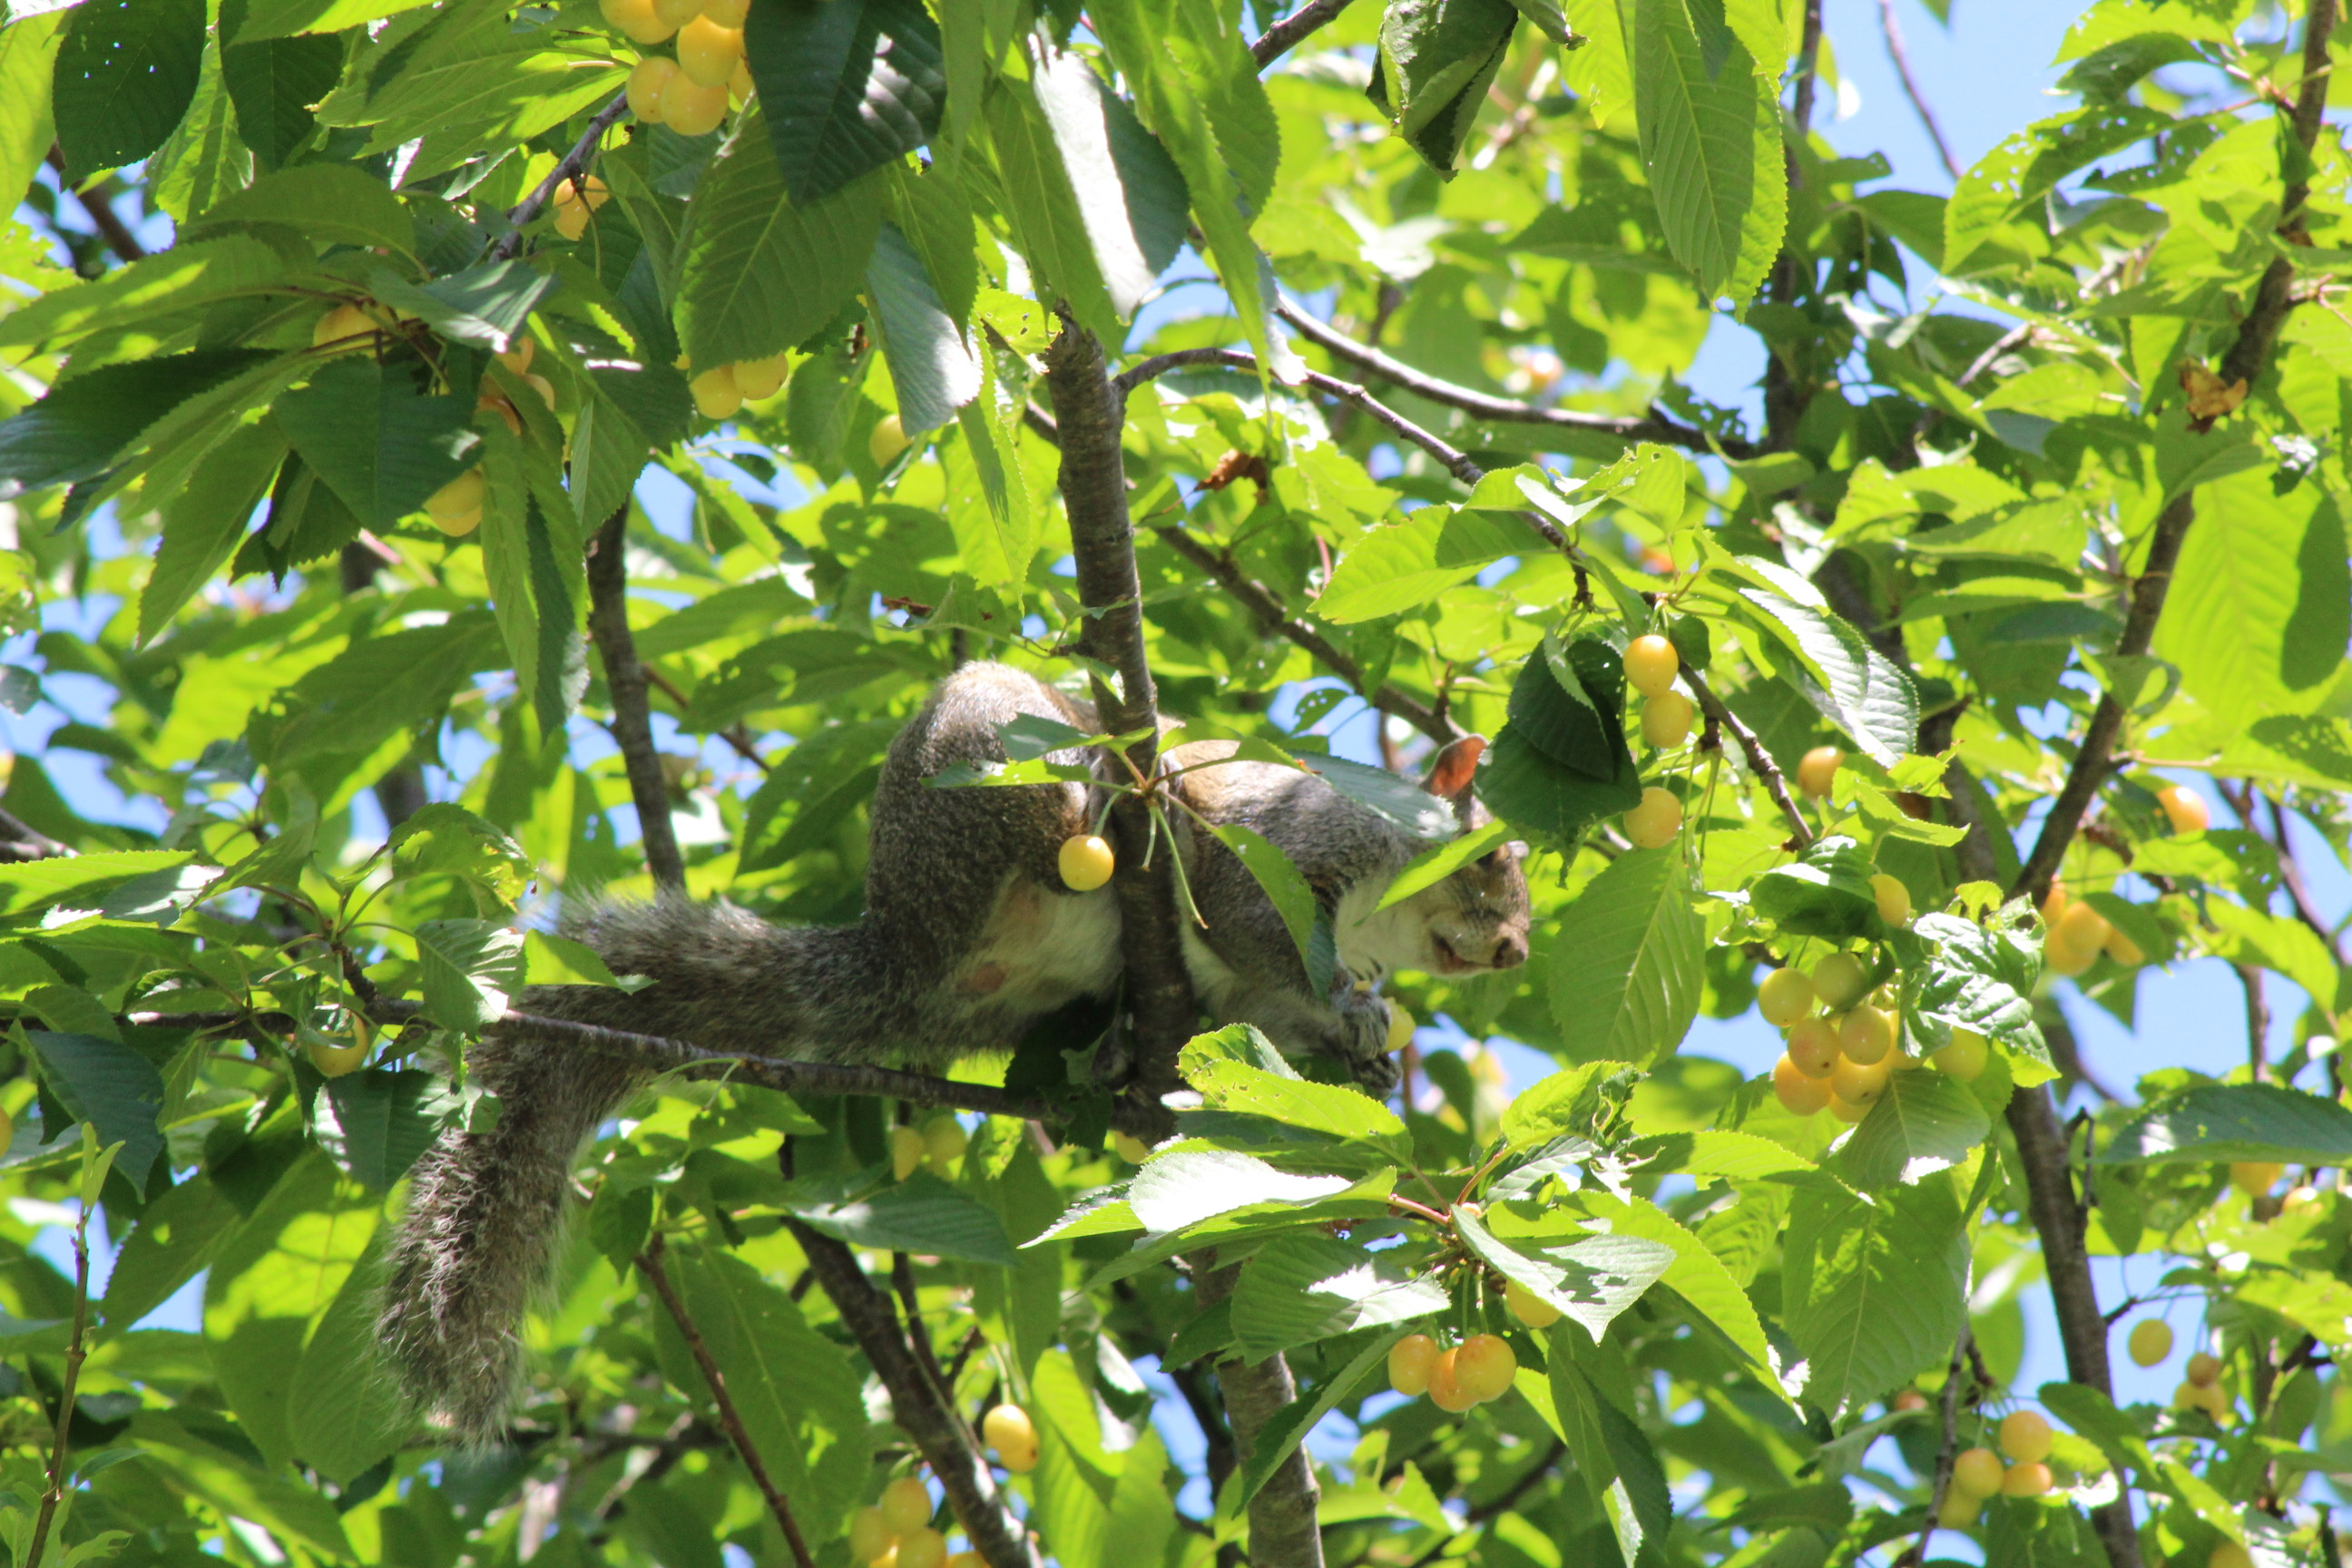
2298	892
1284	35
624	679
737	738
1262	602
1939	1485
1652	426
570	166
1759	761
731	1421
77	1352
40	845
110	228
1902	58
2258	1021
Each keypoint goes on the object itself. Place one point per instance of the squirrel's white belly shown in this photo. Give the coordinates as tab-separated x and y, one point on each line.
1040	949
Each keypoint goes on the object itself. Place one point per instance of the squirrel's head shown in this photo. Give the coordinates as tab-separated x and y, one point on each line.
1477	918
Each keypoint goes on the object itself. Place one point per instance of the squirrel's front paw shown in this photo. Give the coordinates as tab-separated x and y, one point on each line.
1364	1039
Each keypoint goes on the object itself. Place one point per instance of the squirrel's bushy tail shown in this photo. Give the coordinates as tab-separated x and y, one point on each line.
486	1210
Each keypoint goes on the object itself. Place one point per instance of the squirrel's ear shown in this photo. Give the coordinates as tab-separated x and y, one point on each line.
1454	766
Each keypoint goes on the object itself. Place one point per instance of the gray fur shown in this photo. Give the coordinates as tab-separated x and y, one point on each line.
968	938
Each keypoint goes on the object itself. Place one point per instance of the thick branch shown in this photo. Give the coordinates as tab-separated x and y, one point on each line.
2251	354
1282	1529
938	1433
570	166
1652	426
625	678
1286	34
1089	414
1260	601
1759	761
731	1421
1902	58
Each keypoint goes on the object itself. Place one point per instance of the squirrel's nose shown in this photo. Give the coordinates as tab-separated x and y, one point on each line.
1510	950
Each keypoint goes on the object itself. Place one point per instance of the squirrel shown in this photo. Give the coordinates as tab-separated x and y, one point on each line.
968	937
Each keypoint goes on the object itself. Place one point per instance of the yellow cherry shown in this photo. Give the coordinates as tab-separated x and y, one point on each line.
709	52
1654	822
2150	1342
1893	899
943	1142
1865	1035
1008	1429
1965	1057
1960	1511
1401	1028
869	1534
1840	981
677	14
2123	950
646	83
2185	808
2202	1371
1785	996
889	439
759	379
1411	1361
1485	1365
906	1504
1977	1472
2256	1177
1813	1047
457	525
1666	720
1130	1148
2025	1437
1087	863
1817	771
922	1547
637	19
716	393
1798	1093
459	495
1527	1306
691	109
727	12
2229	1554
906	1151
2031	1478
1445	1387
1857	1083
1651	665
334	1061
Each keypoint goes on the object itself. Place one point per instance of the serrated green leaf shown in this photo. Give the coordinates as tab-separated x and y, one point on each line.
933	371
2215	1123
922	1214
471	970
1924	1123
85	422
383	446
110	1087
844	89
1711	145
1303	1288
125	73
1872	1290
1624	967
1589	1279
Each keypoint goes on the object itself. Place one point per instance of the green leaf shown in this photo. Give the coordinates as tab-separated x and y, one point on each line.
202	160
109	1086
1697	1275
85	882
1570	704
1624	968
1850	682
125	74
1437	59
922	1214
1281	881
342	1414
1433	866
1288	1426
1590	1278
763	273
384	1121
1564	1104
1400	567
551	959
1873	1291
204	525
1711	145
383	446
2262	605
176	1239
843	87
1548	801
485	305
798	1396
88	421
2029	164
1080	115
443	838
1924	1123
1303	1288
334	203
282	18
1825	892
2216	1122
1398	802
469	77
932	370
188	276
273	82
1980	980
1189	1186
28	49
1327	1108
471	969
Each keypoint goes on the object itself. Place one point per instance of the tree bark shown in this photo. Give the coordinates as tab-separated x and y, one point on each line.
1283	1532
625	678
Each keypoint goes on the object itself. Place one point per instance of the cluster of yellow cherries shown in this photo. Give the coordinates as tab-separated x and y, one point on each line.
938	1144
1979	1473
1840	1059
1480	1368
689	93
2200	1384
897	1532
1651	666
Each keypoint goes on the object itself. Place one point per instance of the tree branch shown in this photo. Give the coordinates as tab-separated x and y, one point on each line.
570	166
1759	761
1286	34
2248	357
1939	1483
1089	413
1262	602
939	1433
1653	427
2298	892
731	1421
1902	58
1283	1532
110	228
625	678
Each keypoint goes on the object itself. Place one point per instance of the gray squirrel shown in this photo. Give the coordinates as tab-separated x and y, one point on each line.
968	937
